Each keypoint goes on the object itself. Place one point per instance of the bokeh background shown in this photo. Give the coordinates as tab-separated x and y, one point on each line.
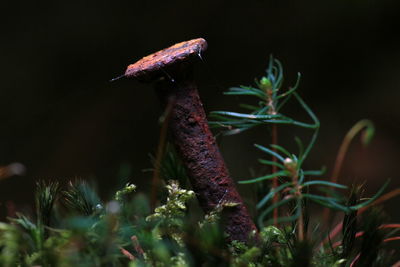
62	118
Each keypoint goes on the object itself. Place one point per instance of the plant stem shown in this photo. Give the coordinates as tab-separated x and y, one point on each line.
274	140
274	170
358	127
155	183
345	146
300	220
300	225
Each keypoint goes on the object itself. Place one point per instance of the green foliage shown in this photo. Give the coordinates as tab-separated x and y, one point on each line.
81	198
289	166
72	226
125	233
372	239
349	230
172	167
169	217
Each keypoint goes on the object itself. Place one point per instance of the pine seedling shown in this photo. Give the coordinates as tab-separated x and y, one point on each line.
295	184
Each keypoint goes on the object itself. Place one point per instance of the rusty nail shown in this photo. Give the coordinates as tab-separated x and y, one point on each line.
172	69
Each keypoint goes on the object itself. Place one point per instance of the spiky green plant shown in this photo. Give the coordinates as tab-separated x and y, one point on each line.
294	187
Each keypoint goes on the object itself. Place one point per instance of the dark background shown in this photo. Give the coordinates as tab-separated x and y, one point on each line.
62	118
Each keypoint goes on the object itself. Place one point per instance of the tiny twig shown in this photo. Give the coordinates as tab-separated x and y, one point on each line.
127	254
352	264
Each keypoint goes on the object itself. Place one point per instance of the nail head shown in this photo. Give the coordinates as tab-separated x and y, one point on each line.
156	64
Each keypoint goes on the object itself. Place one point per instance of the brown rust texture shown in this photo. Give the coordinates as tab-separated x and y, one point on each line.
158	63
200	154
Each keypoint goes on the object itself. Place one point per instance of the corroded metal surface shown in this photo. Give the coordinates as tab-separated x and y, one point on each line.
200	154
156	64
